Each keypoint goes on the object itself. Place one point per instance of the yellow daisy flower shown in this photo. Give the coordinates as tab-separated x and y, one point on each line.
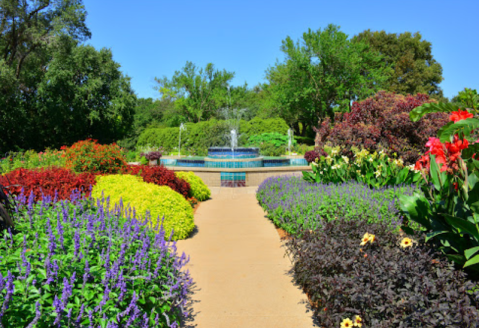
357	321
406	242
367	238
347	323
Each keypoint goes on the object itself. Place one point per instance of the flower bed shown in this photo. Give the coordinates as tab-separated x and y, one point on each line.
294	204
70	264
353	270
55	182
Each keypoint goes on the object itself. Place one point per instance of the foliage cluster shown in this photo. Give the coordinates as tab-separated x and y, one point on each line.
55	182
311	155
161	176
54	90
161	203
382	123
448	208
414	69
375	170
323	72
294	204
201	136
89	156
31	159
199	190
274	138
353	268
152	155
70	264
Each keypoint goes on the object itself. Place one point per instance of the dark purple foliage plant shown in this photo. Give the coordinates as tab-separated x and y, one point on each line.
383	277
76	264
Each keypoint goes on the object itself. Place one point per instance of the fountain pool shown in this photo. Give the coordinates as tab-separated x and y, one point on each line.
236	167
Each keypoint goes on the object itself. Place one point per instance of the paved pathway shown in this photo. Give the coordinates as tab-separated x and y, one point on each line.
239	268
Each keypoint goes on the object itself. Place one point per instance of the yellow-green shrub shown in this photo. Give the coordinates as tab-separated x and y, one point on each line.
158	200
199	189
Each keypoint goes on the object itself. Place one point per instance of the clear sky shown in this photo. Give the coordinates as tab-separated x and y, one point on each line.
154	38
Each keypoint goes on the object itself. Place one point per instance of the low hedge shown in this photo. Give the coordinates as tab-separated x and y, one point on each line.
383	278
151	202
200	136
199	189
72	264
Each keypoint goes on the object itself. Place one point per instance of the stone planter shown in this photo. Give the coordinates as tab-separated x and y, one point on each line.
154	162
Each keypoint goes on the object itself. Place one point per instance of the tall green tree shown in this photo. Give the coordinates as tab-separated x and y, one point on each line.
197	92
410	57
323	72
53	91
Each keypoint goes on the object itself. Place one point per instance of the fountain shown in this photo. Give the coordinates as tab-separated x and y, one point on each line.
290	140
182	128
235	163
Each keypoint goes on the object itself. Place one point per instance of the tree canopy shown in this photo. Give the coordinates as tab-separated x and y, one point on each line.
414	69
54	91
322	73
198	92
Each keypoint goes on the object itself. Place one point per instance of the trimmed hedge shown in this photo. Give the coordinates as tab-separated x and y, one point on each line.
199	189
200	136
159	201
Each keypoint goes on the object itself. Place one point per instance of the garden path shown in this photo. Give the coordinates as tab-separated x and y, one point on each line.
239	267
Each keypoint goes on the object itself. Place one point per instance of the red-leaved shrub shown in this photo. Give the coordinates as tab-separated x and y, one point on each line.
90	156
310	156
46	181
382	123
161	176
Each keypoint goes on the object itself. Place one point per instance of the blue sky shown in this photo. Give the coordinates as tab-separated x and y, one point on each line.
154	38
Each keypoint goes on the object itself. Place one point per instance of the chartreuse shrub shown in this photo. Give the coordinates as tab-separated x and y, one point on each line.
200	136
356	271
199	189
294	204
89	156
149	200
72	264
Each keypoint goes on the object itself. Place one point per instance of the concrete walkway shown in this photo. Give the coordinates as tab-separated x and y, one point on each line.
239	268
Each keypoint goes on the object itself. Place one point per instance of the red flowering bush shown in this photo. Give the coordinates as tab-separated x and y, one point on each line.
47	181
89	156
382	123
161	176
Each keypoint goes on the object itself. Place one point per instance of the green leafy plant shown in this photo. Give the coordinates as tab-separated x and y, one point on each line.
374	169
162	203
448	208
274	138
199	190
31	159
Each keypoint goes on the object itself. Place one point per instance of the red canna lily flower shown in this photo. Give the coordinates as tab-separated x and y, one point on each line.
460	115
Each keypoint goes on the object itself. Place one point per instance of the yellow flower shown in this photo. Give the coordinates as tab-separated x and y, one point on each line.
367	238
346	323
406	242
357	321
345	159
